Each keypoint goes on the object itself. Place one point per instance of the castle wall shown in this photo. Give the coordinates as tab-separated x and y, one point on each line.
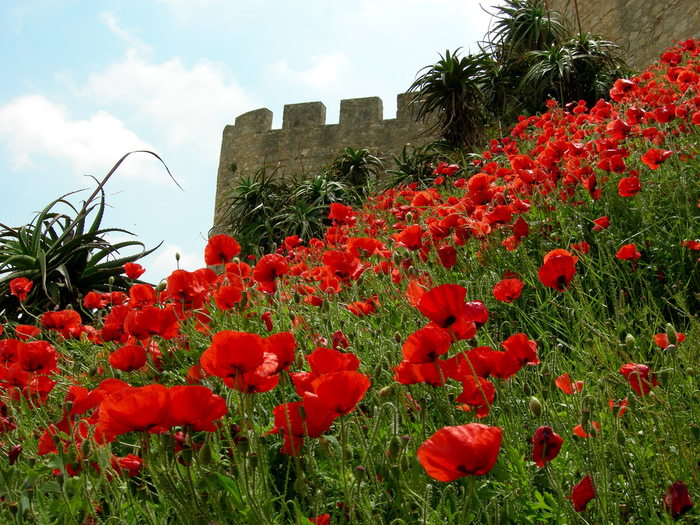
646	26
306	143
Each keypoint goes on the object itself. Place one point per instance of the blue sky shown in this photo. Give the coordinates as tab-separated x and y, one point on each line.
84	82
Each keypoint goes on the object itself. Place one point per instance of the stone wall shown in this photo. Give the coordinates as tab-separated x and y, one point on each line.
306	143
647	27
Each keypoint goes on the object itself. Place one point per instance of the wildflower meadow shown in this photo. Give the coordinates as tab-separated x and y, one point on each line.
512	338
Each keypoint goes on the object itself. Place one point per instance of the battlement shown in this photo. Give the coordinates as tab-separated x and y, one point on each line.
305	143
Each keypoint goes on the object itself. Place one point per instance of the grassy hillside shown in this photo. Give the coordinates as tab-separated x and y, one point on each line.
511	341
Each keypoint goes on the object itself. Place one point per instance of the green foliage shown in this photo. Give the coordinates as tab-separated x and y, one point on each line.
65	255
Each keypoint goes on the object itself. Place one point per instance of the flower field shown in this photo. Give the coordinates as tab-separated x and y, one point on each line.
512	340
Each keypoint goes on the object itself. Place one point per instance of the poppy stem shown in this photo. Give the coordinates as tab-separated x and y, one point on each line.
468	497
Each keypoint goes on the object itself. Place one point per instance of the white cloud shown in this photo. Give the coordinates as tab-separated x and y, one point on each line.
188	105
33	125
324	71
162	263
133	41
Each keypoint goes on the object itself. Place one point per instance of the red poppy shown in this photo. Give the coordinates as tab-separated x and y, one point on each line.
288	420
325	360
133	270
363	246
448	256
578	430
129	464
426	345
195	407
638	377
233	353
557	271
445	306
128	358
268	268
663	342
151	321
38	357
61	321
677	500
508	290
628	252
629	186
455	452
26	332
601	223
133	409
20	287
141	295
477	392
546	445
187	289
221	249
565	383
655	157
411	238
340	391
342	264
692	245
522	349
226	297
582	493
255	381
621	406
341	214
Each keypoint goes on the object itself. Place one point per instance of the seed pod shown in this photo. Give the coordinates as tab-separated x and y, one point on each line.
535	406
621	437
359	473
630	341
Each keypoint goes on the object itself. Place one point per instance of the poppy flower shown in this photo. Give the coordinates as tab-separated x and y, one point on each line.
282	346
129	464
26	332
226	297
663	342
342	214
133	270
621	406
342	264
638	377
426	345
187	288
233	353
288	420
128	358
20	287
601	223
455	452
448	256
255	381
655	157
557	271
522	349
326	360
444	305
582	493
508	290
546	445
194	406
133	409
38	357
565	383
61	321
629	186
578	430
268	268
141	295
341	391
677	500
150	321
220	249
628	252
477	392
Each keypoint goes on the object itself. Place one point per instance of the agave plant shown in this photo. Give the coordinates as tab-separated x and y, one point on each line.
450	92
415	164
357	167
65	255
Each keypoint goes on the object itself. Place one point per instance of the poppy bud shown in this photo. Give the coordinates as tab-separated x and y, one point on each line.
621	437
297	297
243	445
615	409
526	389
632	403
186	455
394	448
397	337
663	377
385	391
111	280
545	394
302	412
545	370
671	351
560	347
630	342
177	256
695	430
671	334
205	456
585	417
253	461
378	370
535	406
359	473
409	217
299	359
14	453
72	454
423	404
236	260
690	372
86	448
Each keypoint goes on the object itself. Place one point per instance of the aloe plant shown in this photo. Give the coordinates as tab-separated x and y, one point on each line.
65	255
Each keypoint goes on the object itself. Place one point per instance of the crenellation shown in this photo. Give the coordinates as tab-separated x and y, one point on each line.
305	143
